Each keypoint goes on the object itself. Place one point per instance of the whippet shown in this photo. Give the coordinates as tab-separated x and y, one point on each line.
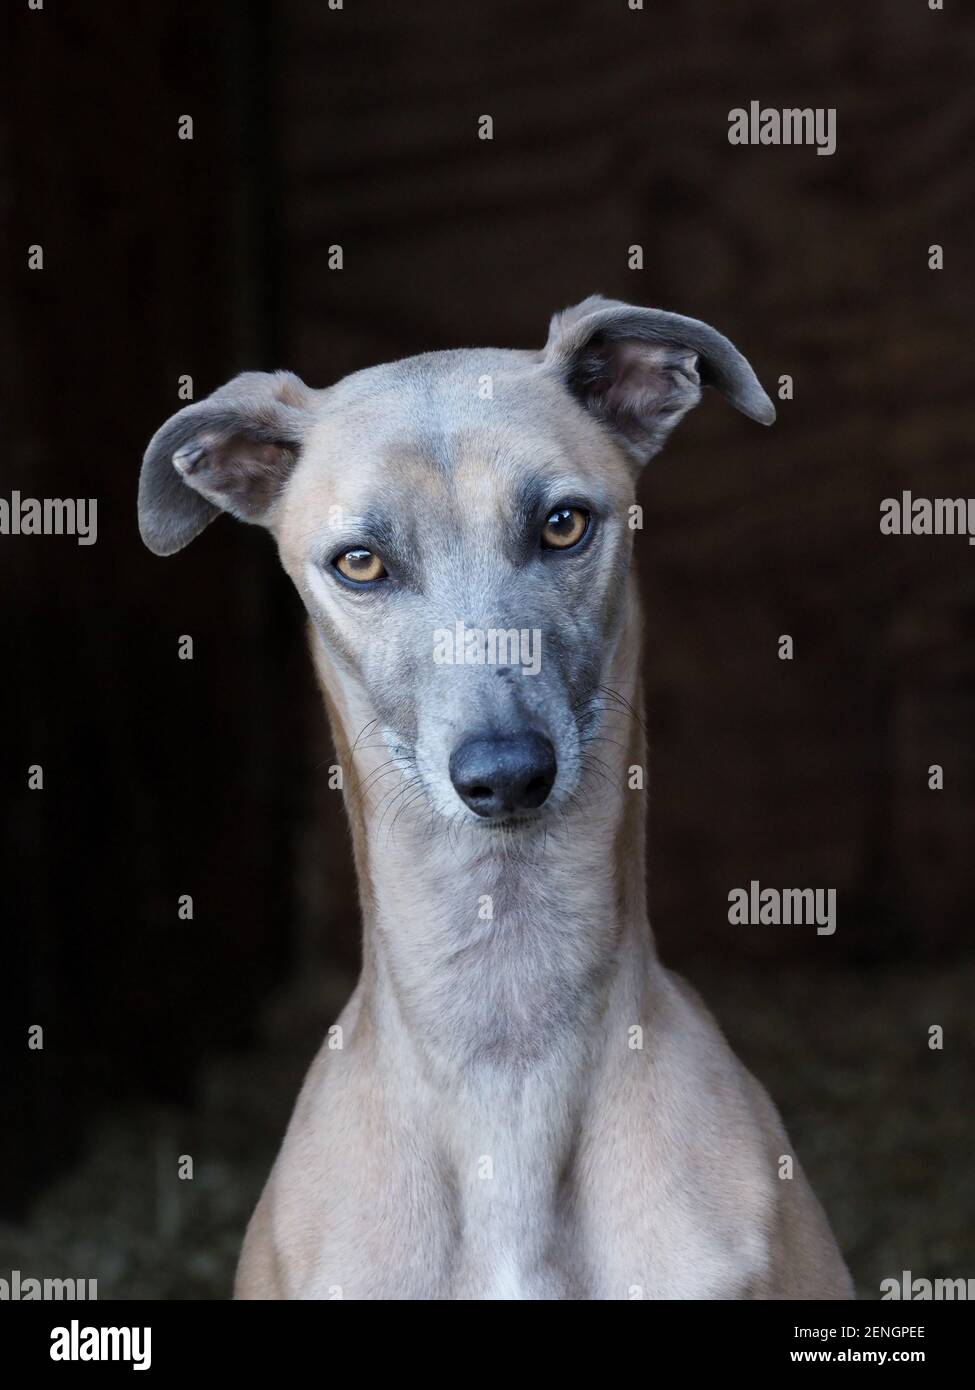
518	1101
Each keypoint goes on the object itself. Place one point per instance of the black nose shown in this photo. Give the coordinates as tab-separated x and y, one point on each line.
496	776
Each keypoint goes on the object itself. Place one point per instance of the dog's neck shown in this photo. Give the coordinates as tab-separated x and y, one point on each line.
484	950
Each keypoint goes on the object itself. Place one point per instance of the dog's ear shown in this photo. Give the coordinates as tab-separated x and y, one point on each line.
640	370
232	452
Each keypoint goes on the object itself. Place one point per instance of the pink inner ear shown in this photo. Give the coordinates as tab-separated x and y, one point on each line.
235	472
244	474
651	377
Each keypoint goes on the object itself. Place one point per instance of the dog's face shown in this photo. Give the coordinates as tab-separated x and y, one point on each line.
464	556
459	528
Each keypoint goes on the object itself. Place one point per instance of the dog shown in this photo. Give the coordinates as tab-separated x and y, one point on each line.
519	1101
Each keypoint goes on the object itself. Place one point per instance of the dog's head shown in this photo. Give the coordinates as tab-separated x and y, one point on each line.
457	525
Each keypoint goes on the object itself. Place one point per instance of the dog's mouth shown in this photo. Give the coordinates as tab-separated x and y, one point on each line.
520	821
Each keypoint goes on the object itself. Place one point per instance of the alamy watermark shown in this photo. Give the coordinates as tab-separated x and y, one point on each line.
77	1343
766	125
908	515
25	1289
492	646
905	1286
757	906
50	516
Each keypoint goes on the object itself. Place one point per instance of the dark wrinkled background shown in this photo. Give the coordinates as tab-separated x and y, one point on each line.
163	777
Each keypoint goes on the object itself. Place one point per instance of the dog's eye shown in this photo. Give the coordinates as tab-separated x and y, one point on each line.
564	528
360	566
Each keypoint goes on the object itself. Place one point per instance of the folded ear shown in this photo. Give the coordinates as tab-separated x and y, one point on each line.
232	452
640	370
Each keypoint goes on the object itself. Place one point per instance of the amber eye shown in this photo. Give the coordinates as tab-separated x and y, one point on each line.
565	527
360	566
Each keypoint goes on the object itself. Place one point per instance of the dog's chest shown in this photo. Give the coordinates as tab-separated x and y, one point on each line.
524	1191
508	1219
566	1239
511	1275
510	1203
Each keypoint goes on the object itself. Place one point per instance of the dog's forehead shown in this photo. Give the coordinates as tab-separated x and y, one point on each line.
447	435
